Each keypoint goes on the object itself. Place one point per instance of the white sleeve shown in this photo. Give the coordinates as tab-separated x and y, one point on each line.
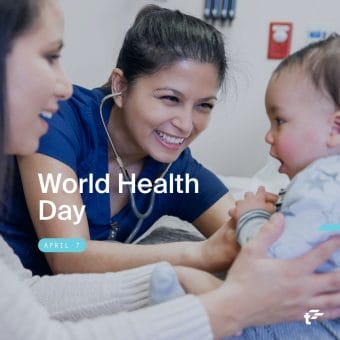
78	296
75	296
23	317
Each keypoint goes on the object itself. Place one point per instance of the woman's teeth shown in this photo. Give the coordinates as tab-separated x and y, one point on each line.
170	139
47	115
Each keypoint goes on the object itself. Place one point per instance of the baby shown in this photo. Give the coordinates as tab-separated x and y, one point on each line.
303	106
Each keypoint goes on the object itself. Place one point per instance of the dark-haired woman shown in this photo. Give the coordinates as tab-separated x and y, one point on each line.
158	99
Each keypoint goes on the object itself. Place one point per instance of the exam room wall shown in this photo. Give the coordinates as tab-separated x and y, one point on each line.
234	142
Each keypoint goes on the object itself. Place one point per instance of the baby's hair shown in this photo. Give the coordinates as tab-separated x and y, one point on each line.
321	62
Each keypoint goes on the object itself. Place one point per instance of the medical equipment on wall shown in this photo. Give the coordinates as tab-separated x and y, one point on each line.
223	10
140	216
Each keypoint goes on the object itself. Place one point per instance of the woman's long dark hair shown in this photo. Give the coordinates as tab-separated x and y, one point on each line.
16	16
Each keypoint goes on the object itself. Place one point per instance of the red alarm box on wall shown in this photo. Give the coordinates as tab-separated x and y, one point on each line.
280	37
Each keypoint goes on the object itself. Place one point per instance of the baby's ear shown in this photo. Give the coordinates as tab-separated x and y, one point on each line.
334	135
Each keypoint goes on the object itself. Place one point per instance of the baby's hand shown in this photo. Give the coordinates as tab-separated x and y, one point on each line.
253	201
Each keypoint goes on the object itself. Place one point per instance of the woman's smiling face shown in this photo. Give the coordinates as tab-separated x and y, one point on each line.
35	79
164	112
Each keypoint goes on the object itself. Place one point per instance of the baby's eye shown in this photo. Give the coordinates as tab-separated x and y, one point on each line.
279	121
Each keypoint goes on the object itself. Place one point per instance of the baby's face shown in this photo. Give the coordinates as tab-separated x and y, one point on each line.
299	117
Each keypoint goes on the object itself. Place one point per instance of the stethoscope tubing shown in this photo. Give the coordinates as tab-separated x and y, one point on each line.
140	216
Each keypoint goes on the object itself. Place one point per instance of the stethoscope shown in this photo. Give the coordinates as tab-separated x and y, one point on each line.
141	216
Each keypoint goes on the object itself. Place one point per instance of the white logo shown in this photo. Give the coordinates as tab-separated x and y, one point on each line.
312	314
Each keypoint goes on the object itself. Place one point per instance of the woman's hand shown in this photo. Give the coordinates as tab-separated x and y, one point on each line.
261	200
195	281
220	249
261	290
